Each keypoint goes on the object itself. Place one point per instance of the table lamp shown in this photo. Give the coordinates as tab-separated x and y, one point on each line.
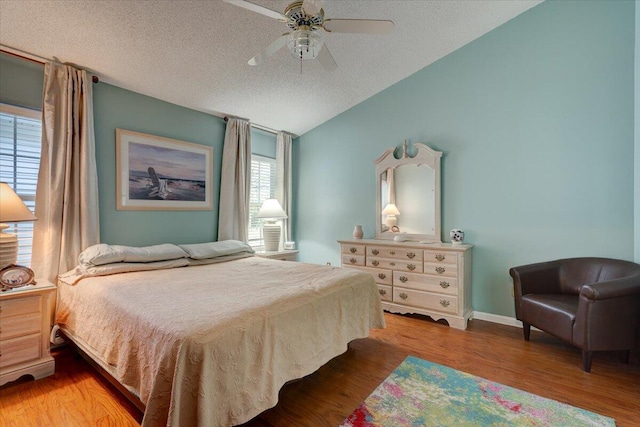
391	211
12	209
271	211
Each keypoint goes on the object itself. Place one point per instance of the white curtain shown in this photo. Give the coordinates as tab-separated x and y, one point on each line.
67	192
283	180
235	182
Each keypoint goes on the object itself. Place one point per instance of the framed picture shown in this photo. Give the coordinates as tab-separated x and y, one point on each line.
155	173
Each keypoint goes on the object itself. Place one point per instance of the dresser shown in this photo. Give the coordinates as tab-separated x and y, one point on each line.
430	279
24	332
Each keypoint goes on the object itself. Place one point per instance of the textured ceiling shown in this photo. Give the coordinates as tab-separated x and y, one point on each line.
194	53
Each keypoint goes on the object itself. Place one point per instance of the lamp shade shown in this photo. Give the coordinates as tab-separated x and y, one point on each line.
12	208
271	209
390	209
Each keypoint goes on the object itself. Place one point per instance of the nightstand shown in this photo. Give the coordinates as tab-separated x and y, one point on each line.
24	332
289	255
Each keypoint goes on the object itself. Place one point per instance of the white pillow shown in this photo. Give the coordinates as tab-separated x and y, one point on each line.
216	249
102	253
72	277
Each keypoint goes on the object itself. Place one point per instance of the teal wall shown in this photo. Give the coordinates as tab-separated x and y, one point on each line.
263	143
637	135
535	120
118	108
21	82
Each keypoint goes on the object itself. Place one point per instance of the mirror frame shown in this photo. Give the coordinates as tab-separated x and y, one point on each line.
424	155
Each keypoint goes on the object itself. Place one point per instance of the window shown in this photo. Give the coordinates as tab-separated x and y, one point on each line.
20	133
263	186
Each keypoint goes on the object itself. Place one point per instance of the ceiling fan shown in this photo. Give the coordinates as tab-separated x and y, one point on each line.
308	25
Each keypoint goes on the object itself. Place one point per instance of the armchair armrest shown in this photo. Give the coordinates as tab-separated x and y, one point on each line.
539	278
626	286
608	315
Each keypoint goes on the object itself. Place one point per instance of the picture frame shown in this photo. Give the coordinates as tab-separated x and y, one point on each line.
157	173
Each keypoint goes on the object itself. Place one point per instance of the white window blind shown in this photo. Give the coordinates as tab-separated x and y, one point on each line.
263	186
20	141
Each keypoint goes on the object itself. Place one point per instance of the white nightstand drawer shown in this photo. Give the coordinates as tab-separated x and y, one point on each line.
18	350
441	257
395	264
445	270
20	325
386	292
397	253
427	300
348	259
422	282
17	306
353	249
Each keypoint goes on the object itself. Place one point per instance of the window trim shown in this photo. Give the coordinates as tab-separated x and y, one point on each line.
20	111
259	245
32	114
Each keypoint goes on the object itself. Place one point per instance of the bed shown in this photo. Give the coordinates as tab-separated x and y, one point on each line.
212	344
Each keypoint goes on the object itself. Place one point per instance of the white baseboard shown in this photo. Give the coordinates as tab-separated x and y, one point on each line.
496	318
503	320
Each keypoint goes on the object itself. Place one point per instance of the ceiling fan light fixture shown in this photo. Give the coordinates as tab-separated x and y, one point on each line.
304	44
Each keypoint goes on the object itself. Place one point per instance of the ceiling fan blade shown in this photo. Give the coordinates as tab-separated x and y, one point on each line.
270	50
311	7
326	59
365	26
258	9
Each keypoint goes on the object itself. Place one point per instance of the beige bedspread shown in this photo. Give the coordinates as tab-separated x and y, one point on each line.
211	345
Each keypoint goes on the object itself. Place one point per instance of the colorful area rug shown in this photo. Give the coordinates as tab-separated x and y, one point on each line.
421	393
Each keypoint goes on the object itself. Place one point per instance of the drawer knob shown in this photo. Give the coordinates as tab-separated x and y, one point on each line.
375	251
444	285
353	260
382	291
382	276
392	264
403	279
392	252
411	255
353	250
440	257
444	303
440	270
403	295
375	262
411	267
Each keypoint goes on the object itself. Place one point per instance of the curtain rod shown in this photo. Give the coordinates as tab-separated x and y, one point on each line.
34	58
264	128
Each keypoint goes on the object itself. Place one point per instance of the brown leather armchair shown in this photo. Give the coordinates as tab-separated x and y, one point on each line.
592	303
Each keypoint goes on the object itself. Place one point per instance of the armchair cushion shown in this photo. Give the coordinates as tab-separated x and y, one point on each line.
554	314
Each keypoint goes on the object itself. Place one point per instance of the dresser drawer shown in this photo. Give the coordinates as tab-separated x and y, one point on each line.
23	324
382	276
353	249
423	282
444	303
440	257
386	292
394	264
16	306
444	270
396	253
352	259
18	350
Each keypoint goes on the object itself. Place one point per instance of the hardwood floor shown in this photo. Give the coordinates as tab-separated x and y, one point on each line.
77	396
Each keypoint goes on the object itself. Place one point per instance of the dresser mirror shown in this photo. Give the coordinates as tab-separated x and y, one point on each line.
408	194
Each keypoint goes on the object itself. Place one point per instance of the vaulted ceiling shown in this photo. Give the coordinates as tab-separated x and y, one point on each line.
194	53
